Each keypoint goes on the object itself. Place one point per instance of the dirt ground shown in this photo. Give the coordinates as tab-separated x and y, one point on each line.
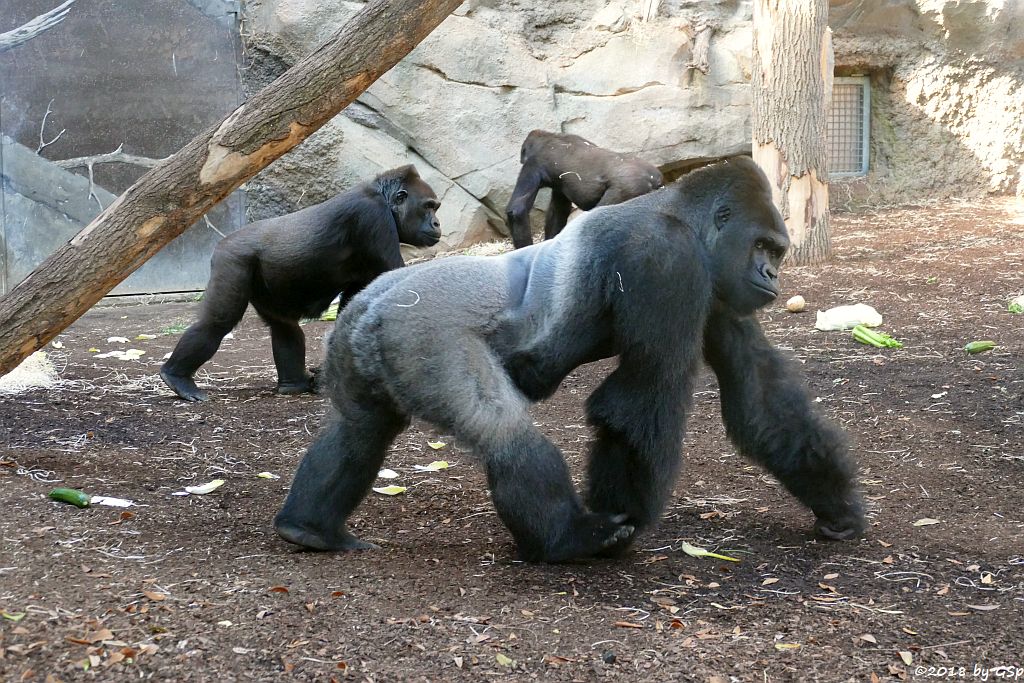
199	588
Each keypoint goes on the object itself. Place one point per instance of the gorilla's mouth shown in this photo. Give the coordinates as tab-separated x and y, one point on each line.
767	291
425	239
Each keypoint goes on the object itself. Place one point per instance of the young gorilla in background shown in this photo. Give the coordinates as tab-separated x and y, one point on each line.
468	342
578	172
292	267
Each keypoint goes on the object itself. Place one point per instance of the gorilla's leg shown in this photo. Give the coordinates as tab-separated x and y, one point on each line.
316	375
224	302
289	344
557	214
534	496
769	417
517	212
336	474
471	396
616	194
348	293
638	418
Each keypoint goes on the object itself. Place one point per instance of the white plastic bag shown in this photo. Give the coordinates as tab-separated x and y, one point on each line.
847	317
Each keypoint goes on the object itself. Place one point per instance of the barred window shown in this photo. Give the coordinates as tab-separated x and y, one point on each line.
848	126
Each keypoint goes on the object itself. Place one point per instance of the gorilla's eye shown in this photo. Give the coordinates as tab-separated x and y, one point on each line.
759	245
721	216
400	196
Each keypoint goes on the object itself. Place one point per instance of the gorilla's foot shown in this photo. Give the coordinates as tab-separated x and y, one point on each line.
303	386
184	387
313	540
316	380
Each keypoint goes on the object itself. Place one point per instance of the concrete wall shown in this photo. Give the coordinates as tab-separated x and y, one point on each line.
144	76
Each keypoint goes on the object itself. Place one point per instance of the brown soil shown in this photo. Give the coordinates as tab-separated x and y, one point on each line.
199	588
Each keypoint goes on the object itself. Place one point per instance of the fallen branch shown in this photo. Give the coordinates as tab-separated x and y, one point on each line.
42	129
117	156
33	27
701	48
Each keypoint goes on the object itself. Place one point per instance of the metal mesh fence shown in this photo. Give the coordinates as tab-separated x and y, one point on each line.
848	127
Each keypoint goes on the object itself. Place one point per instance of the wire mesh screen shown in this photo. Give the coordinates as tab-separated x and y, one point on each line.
848	127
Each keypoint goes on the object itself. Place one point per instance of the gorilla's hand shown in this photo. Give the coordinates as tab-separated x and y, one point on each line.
844	524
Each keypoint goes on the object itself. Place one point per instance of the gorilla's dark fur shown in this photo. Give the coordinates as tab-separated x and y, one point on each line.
467	343
578	172
292	267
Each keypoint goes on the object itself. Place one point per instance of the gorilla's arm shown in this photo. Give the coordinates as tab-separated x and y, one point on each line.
517	213
639	412
769	417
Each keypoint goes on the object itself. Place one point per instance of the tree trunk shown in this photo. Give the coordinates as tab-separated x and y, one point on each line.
172	196
792	88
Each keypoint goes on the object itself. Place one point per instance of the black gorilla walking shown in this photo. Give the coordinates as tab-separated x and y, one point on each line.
291	267
578	172
467	343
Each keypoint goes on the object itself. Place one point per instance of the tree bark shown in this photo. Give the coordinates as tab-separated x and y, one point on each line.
173	195
791	92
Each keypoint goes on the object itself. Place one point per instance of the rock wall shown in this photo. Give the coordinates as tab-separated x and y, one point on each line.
460	105
946	86
947	82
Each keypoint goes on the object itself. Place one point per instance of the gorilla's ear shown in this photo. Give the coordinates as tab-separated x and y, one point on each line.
722	214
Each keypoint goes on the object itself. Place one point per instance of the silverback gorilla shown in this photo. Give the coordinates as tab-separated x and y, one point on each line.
292	267
468	342
578	172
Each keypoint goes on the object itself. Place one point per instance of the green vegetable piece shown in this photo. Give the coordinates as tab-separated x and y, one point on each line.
1015	307
72	496
889	341
331	313
694	551
980	346
866	335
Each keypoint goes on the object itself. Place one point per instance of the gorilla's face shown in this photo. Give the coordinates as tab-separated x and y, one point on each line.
751	242
415	208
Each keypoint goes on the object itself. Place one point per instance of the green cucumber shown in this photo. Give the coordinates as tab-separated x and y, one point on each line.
980	346
72	496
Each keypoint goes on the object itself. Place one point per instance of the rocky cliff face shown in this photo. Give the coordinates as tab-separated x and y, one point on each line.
947	81
621	74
